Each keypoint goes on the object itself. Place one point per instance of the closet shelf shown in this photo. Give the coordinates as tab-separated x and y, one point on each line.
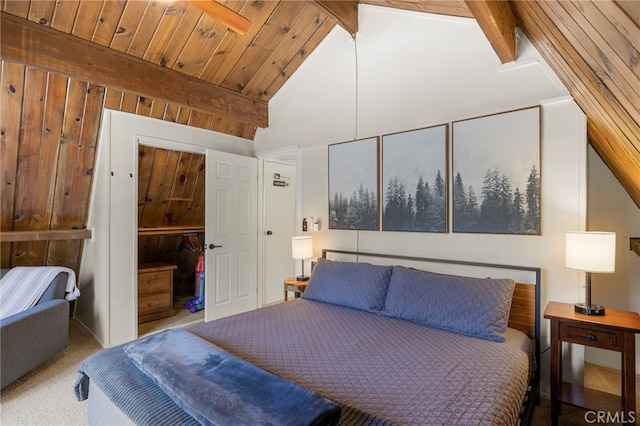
168	230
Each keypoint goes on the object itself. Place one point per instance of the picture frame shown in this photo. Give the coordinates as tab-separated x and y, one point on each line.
496	173
415	180
353	185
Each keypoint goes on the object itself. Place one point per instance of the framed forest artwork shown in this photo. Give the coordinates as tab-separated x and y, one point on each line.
496	173
353	185
414	180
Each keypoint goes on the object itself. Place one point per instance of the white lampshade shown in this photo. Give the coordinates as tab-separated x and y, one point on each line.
301	247
591	251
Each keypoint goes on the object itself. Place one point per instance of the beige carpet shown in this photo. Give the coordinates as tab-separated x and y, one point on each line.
181	318
44	397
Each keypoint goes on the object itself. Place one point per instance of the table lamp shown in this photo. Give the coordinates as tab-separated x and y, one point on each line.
590	252
302	248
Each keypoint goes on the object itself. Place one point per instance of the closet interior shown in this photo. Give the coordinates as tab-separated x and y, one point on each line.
171	215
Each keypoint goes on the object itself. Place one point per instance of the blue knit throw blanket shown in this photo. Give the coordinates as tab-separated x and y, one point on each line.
217	388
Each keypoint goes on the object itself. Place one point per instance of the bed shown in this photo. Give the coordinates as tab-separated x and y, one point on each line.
384	343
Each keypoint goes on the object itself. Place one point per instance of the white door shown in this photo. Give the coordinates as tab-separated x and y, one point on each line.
231	234
280	225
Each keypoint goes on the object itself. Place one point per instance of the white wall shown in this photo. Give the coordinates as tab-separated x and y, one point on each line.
107	307
447	72
610	208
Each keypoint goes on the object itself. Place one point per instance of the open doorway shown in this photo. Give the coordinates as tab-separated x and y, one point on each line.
171	226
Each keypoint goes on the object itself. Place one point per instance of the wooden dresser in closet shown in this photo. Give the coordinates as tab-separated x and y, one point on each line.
155	291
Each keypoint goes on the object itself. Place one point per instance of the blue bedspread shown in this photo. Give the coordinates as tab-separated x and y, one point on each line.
215	387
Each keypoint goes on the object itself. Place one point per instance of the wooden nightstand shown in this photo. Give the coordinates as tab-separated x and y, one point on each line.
614	331
297	287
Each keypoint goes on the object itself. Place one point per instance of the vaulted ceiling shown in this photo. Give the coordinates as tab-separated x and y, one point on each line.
63	61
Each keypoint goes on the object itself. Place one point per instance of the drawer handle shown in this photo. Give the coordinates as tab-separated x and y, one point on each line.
590	337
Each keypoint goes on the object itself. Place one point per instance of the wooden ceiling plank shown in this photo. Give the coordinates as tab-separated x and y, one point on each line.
129	103
275	31
86	19
107	23
143	106
17	8
198	52
605	51
498	24
183	115
171	112
41	11
626	165
225	15
201	45
232	46
147	28
441	7
631	8
167	27
313	42
602	73
623	24
345	13
157	109
300	33
27	43
64	16
603	123
113	99
584	85
170	51
128	25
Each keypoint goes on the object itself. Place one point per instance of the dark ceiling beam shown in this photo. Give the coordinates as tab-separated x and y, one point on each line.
28	43
345	12
498	24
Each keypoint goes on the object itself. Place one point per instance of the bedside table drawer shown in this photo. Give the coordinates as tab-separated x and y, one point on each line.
590	336
154	281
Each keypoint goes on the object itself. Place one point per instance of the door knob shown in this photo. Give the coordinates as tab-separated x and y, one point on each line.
212	246
269	232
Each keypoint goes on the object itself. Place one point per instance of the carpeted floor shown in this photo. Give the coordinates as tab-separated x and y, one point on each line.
44	397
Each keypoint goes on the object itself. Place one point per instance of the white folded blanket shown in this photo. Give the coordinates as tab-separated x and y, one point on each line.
23	286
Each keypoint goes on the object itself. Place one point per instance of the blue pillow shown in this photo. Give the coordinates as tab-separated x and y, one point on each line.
476	307
357	285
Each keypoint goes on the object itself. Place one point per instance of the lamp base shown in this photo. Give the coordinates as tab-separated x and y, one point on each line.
302	278
585	309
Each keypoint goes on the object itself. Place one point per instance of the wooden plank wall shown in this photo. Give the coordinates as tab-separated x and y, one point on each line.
50	127
171	193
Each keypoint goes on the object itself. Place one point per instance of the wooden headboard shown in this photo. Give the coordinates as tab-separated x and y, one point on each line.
525	306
